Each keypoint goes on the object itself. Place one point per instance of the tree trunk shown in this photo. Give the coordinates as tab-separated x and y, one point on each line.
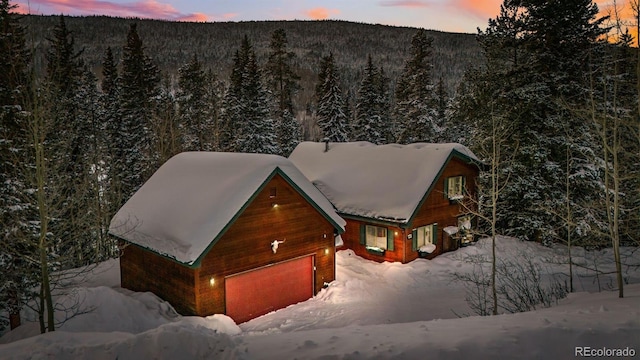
14	306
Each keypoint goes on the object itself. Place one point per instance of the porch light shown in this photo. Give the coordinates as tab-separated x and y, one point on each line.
274	205
212	281
326	251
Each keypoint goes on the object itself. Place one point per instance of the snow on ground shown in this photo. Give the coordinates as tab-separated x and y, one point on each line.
372	310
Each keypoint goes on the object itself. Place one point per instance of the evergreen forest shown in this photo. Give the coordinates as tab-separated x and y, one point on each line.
547	96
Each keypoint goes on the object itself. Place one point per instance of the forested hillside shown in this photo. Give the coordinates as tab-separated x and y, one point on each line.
171	45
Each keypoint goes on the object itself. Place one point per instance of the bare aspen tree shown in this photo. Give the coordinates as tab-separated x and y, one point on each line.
607	115
496	153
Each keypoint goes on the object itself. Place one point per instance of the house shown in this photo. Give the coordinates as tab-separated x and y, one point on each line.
400	202
239	234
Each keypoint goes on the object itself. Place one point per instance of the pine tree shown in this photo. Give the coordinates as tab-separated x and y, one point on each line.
442	103
247	125
415	112
331	117
165	126
15	210
70	147
537	56
195	112
258	130
282	82
139	86
372	107
232	106
214	92
463	110
98	245
111	115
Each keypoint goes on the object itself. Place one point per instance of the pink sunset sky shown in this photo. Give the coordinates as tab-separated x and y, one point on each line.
445	15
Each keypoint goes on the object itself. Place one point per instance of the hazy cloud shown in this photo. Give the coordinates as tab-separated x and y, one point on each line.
142	9
405	3
321	13
482	9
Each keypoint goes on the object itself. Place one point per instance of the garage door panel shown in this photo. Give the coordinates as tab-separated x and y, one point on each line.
258	292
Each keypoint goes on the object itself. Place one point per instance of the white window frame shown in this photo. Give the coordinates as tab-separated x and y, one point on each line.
455	187
373	238
421	235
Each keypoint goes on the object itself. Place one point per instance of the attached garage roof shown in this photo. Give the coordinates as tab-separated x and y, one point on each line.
189	202
385	182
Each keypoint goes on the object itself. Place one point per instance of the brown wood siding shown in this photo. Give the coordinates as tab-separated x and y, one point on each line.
246	244
351	239
435	209
143	270
438	209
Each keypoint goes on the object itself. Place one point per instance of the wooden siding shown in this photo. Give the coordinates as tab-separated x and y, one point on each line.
351	239
246	244
143	270
438	209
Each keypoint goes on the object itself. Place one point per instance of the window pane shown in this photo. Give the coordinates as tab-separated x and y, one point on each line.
376	236
419	237
425	235
455	186
428	239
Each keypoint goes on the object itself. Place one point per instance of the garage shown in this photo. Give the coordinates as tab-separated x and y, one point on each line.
257	292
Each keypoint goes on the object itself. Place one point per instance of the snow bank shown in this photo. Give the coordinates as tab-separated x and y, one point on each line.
545	334
372	310
179	340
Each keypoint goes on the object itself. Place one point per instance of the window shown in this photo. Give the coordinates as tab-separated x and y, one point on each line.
425	235
376	237
464	229
454	187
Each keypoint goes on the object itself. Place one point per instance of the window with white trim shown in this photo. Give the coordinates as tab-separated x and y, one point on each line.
376	237
425	235
455	187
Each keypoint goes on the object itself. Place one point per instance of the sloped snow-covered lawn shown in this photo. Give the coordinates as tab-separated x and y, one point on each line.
372	310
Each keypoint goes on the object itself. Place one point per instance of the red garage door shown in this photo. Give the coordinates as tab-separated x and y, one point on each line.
257	292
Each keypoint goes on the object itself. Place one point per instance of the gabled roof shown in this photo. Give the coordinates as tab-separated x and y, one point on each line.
382	182
186	206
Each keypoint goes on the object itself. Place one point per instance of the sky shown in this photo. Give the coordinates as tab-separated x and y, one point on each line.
445	15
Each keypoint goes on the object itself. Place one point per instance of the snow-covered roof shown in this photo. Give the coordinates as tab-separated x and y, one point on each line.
190	200
385	182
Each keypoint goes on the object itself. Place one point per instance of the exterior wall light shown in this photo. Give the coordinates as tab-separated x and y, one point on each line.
212	281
